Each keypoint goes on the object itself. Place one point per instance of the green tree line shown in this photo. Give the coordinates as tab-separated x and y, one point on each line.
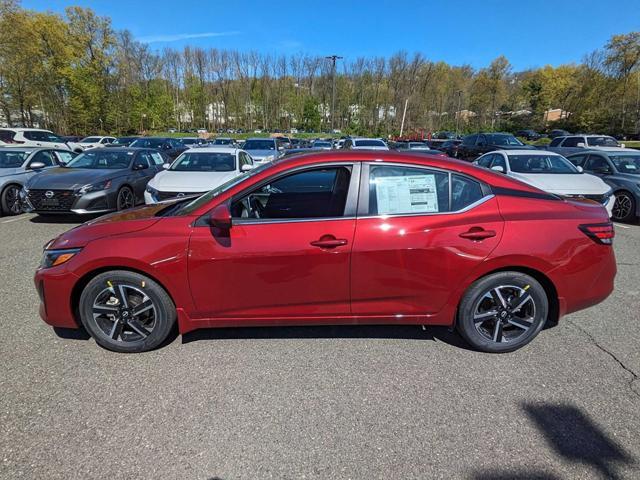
74	73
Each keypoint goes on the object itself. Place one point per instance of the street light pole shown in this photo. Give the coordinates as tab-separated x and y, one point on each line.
333	59
458	113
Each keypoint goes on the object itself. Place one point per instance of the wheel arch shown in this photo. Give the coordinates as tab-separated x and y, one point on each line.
88	276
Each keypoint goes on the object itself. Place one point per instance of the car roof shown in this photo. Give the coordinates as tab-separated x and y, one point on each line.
262	138
25	129
214	149
23	149
526	152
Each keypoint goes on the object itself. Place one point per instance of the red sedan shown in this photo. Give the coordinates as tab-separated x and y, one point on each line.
335	238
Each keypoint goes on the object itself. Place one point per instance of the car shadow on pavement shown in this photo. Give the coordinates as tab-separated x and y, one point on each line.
62	218
407	332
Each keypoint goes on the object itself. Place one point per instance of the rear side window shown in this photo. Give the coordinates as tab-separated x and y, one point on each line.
573	141
556	141
407	190
31	135
7	136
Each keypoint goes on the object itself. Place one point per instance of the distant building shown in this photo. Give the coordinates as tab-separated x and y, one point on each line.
555	114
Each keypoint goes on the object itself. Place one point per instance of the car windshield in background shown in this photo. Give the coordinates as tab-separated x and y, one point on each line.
187	208
205	162
496	139
189	141
103	159
541	164
222	141
148	143
123	141
370	143
12	159
626	163
602	142
322	144
260	145
90	140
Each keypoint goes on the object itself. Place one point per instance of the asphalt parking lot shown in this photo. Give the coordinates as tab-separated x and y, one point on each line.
317	402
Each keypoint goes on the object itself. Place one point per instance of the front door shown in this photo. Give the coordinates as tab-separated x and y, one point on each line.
287	254
419	233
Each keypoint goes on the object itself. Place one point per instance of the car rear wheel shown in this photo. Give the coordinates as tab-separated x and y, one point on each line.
126	312
502	312
624	208
125	199
10	200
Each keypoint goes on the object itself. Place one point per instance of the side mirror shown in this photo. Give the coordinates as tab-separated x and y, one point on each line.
498	168
580	169
246	167
166	166
37	165
220	217
140	166
580	145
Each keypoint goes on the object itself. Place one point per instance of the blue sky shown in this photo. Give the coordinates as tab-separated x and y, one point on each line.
529	33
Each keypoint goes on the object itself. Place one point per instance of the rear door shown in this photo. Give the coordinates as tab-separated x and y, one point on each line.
419	232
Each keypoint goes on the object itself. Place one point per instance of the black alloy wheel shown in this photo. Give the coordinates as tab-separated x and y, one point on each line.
11	204
624	208
125	199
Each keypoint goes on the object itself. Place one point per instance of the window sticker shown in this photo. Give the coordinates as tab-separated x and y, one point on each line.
410	194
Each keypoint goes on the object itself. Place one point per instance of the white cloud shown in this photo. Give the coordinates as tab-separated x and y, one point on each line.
183	36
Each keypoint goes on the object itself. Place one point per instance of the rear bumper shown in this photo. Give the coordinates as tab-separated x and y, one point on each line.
55	286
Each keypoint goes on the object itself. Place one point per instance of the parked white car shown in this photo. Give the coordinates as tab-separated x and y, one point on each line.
197	171
365	144
550	172
91	142
31	137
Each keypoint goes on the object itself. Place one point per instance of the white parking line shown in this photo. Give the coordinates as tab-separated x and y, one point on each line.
13	220
621	226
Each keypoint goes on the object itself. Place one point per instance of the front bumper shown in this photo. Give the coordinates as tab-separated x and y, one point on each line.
67	201
55	286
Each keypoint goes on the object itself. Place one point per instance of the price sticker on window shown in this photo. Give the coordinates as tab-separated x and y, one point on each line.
408	194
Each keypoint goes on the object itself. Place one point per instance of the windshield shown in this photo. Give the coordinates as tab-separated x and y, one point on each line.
123	141
602	142
189	207
496	139
626	163
222	141
189	141
322	144
260	145
369	143
148	143
12	159
541	164
205	162
101	159
90	140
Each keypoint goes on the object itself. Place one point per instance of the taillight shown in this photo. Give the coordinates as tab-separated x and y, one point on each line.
599	232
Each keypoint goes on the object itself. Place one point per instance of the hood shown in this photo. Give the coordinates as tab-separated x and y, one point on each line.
172	181
113	224
562	184
6	172
61	178
370	148
255	154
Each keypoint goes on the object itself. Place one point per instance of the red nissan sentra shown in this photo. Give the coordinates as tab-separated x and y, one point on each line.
356	237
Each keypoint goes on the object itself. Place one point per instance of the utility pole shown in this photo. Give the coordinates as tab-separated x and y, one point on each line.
458	113
404	114
333	59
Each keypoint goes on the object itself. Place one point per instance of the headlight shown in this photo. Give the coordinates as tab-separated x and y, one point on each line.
268	158
151	190
53	258
94	187
24	193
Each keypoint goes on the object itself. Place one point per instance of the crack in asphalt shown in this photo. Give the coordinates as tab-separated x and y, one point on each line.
593	340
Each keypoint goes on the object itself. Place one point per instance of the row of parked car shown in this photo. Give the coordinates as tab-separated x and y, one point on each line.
109	173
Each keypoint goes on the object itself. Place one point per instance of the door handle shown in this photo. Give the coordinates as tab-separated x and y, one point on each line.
329	241
478	233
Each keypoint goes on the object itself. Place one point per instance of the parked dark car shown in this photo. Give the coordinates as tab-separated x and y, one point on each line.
72	138
96	181
528	134
477	144
620	169
193	141
171	147
450	147
122	142
558	133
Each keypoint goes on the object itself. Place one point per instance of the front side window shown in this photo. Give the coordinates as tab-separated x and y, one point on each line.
64	156
316	193
498	161
541	164
157	158
205	162
102	159
45	157
556	142
486	160
577	160
596	163
469	140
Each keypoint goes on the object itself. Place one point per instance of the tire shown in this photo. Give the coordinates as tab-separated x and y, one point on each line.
624	209
504	321
125	199
114	323
10	200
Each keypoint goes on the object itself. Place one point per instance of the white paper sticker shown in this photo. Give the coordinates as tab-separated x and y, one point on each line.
410	194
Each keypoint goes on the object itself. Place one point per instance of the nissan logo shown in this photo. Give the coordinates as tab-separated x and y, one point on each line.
48	194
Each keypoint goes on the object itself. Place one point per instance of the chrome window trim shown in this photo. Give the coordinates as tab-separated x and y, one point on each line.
258	221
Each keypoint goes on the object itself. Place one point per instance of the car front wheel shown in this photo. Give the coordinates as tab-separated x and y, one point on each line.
126	312
10	200
502	312
624	208
125	199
